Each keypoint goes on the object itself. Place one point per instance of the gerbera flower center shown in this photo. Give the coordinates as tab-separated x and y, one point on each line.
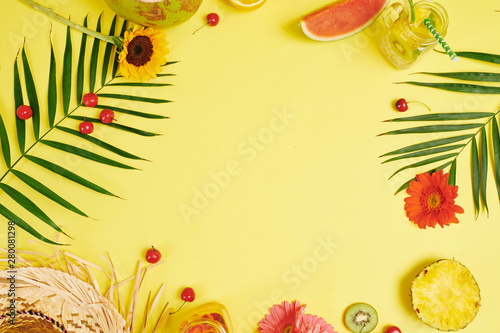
140	50
434	201
287	329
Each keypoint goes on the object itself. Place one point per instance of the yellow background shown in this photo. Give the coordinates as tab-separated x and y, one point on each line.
302	209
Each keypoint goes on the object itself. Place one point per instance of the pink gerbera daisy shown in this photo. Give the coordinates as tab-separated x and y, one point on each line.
282	318
313	324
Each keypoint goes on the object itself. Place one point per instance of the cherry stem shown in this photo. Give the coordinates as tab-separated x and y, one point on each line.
423	104
200	28
178	308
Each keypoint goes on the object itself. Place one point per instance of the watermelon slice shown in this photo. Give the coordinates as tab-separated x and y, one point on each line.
341	19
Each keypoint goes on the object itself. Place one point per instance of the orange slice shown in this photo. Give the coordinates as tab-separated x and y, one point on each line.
247	4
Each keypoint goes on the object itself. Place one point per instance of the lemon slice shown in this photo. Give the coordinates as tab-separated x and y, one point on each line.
411	14
247	4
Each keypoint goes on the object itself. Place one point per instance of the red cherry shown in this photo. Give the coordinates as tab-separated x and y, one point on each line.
401	105
213	19
90	100
393	329
187	294
153	255
24	112
107	116
86	127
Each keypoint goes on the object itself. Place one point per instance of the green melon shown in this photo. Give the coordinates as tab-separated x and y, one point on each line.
155	13
341	19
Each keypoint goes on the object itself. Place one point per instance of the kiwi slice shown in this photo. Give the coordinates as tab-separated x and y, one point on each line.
401	47
361	318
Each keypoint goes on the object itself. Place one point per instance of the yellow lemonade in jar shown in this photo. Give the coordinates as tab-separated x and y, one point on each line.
405	42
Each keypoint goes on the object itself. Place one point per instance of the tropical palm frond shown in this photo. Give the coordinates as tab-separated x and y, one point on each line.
61	95
474	134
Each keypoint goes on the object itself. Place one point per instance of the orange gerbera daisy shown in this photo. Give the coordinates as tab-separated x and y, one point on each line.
143	53
432	200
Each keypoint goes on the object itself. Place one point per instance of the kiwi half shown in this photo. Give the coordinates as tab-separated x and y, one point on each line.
361	318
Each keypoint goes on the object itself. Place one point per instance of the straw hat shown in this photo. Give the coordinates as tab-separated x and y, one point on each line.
48	300
60	293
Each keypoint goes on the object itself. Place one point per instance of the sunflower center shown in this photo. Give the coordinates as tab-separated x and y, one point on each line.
140	50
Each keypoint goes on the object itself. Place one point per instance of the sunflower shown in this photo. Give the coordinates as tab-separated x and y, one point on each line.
143	53
432	200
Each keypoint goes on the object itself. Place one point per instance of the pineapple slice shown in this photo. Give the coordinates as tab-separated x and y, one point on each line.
445	295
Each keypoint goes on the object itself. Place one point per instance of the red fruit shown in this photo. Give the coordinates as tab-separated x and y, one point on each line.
107	116
401	105
153	255
24	112
187	294
393	329
90	100
86	127
213	19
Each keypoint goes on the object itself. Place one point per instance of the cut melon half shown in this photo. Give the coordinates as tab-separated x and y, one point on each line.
341	19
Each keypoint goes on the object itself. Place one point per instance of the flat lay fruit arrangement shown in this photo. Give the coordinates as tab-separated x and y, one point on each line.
242	166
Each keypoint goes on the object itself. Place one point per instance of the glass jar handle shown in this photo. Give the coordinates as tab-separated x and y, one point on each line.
394	9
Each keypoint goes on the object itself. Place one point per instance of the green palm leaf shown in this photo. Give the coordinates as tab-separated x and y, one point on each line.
134	98
63	81
67	70
475	174
131	112
52	90
18	101
424	162
468	76
93	58
116	62
425	152
138	84
5	142
107	53
445	116
479	155
80	72
24	225
405	185
85	154
36	185
434	129
115	125
484	167
32	94
100	143
496	152
458	87
429	144
67	174
481	56
29	205
452	178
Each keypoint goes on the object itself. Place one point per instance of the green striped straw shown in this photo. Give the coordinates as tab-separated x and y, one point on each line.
440	39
